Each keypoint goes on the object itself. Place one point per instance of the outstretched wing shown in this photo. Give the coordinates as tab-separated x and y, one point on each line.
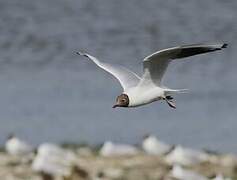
155	65
126	77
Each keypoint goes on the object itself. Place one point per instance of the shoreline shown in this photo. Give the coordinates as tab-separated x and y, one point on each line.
91	165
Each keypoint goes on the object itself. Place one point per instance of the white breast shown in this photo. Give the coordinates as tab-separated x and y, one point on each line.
142	95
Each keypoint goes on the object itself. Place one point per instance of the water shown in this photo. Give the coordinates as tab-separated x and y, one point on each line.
48	93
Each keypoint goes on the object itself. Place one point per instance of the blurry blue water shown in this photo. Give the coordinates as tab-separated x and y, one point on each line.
50	94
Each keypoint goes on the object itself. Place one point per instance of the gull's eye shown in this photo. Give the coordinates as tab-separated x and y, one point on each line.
123	100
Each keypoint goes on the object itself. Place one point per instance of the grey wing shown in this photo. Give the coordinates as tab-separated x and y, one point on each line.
155	65
126	77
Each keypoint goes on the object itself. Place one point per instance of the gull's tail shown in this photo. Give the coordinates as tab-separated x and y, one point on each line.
168	95
171	91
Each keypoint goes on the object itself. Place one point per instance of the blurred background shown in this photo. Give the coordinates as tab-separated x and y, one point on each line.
48	93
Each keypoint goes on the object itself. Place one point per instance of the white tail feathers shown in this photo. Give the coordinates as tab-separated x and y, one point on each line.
176	90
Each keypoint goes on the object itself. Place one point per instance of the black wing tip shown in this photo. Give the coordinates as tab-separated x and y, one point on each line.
81	53
78	53
224	45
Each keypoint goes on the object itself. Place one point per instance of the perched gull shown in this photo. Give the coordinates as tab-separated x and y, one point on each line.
148	88
53	160
151	145
184	174
185	156
16	146
112	149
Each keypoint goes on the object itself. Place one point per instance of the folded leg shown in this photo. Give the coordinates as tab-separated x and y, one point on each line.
170	102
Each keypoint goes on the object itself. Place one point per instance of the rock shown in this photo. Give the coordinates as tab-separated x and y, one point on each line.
84	151
228	160
113	173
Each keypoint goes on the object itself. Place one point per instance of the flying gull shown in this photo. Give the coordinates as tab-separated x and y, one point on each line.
148	88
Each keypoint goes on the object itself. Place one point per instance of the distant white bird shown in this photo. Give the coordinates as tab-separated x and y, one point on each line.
151	145
112	149
53	160
185	156
148	88
16	146
56	151
180	173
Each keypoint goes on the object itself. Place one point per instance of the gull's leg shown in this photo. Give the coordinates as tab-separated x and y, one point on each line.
169	97
170	102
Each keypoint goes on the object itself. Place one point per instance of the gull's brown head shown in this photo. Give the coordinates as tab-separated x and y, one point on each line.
122	101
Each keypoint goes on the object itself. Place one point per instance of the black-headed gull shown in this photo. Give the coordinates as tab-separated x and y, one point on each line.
185	156
113	149
16	146
180	173
53	160
148	88
153	146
